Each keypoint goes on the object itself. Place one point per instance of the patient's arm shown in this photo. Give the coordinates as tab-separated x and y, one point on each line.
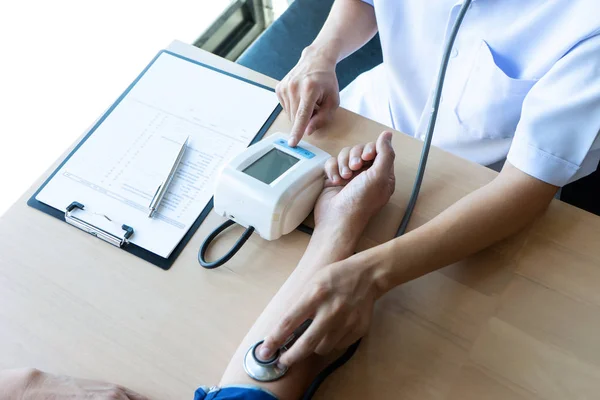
319	253
340	218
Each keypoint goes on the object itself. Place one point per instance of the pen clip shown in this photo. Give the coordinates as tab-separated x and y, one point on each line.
155	195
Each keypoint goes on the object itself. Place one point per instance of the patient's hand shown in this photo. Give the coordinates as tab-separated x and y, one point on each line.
359	183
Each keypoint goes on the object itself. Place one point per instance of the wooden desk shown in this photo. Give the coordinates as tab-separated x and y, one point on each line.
520	320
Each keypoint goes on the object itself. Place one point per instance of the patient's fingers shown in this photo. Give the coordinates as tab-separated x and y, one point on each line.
331	171
355	161
350	162
343	168
385	153
369	152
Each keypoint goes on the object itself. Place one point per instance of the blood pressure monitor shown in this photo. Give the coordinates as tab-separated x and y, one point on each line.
271	186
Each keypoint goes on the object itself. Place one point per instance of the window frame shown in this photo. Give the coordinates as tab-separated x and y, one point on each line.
236	28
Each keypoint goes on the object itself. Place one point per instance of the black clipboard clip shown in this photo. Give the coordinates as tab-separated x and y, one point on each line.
94	230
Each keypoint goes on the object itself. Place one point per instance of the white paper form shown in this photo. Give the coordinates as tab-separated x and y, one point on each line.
117	170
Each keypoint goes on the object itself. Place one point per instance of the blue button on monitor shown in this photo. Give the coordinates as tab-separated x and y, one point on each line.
299	150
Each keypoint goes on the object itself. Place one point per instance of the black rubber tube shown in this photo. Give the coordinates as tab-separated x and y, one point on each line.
236	247
343	359
432	120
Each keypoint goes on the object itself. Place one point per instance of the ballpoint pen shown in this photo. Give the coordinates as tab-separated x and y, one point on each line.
162	189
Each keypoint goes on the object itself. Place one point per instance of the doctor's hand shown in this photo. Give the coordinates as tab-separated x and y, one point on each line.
309	93
31	384
339	297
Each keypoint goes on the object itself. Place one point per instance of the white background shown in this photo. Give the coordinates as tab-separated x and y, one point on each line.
63	62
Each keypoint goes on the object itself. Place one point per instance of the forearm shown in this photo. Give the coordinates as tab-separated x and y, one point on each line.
351	24
327	245
489	214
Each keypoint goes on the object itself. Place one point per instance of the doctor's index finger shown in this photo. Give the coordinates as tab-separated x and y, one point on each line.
288	324
303	116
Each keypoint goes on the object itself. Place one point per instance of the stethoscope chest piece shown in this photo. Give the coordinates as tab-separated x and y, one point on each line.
263	371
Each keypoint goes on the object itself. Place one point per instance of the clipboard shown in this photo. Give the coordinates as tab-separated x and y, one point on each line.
122	240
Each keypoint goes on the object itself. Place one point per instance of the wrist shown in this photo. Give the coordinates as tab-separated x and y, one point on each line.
334	240
382	264
328	52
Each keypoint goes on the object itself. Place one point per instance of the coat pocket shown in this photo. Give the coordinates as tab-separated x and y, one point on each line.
489	106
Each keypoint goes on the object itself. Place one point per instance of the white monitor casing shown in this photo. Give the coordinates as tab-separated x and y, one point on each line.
277	208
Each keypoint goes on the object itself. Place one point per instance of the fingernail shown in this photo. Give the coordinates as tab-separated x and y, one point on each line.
346	171
264	352
335	179
281	366
291	143
355	160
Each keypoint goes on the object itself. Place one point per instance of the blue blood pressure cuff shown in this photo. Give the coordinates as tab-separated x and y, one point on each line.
240	392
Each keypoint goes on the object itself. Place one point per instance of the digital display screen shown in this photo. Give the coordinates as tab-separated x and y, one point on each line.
270	166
